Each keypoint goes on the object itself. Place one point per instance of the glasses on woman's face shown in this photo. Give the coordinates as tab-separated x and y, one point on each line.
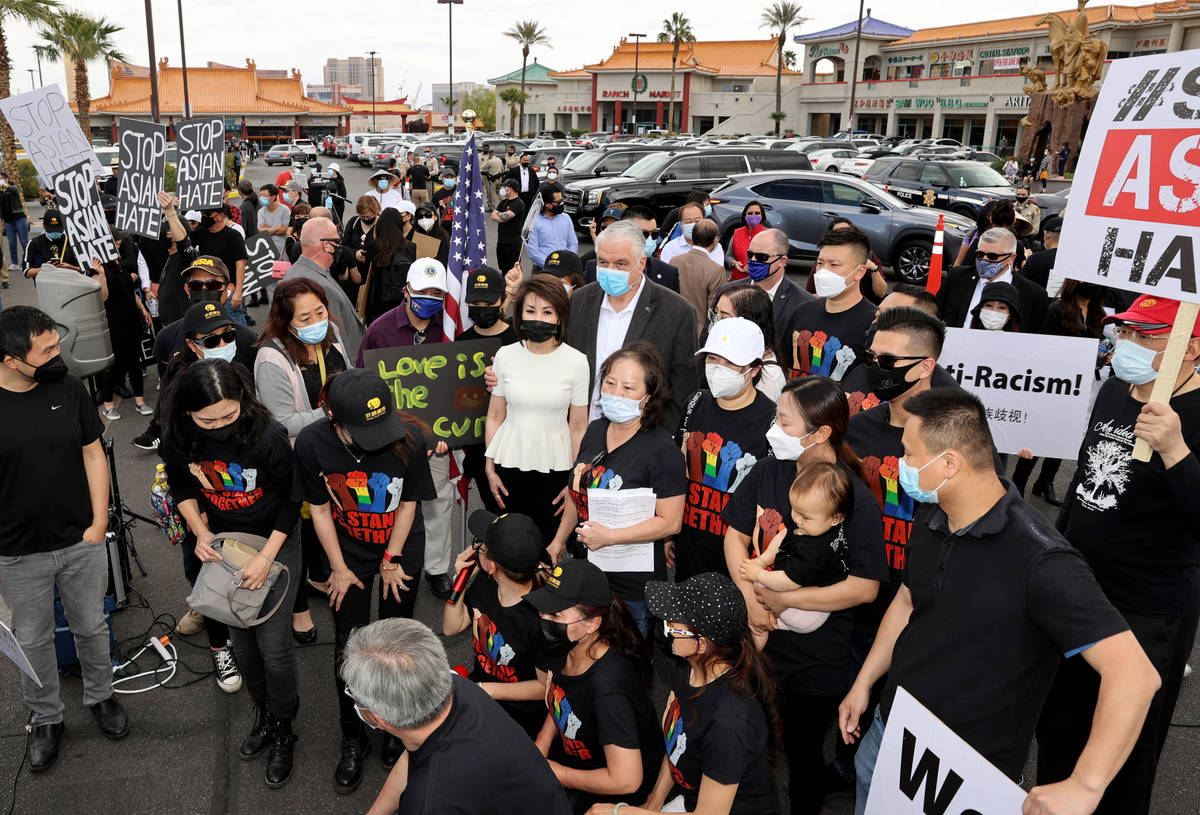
216	340
678	633
205	285
762	257
885	361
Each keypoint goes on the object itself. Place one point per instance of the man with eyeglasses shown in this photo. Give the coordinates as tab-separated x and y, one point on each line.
690	214
662	273
962	286
320	247
766	265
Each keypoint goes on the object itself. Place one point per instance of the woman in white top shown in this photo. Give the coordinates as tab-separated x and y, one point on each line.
539	408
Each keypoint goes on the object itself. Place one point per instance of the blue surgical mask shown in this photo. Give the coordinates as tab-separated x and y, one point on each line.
424	307
449	183
708	210
312	334
989	269
328	202
54	235
687	230
619	409
614	281
1134	363
382	184
910	481
225	352
651	245
758	269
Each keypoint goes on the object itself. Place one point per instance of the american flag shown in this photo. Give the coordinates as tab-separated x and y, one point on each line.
468	239
468	251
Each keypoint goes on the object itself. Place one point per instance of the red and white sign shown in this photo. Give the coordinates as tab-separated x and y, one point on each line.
1133	218
1004	63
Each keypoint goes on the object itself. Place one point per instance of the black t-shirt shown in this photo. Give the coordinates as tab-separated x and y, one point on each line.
311	372
241	490
507	644
41	249
1137	524
507	337
649	459
510	231
823	335
478	761
226	244
365	494
43	486
996	606
172	294
721	447
443	199
418	175
124	320
858	388
817	662
171	340
606	704
814	560
721	734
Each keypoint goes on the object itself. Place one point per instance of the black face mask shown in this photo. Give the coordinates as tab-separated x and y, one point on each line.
888	384
555	639
538	330
484	316
218	434
52	370
557	209
206	222
204	296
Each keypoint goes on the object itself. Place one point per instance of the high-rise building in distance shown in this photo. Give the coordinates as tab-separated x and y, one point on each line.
357	71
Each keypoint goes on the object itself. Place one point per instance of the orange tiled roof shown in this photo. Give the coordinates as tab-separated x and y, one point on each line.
578	73
391	107
215	90
1010	25
719	57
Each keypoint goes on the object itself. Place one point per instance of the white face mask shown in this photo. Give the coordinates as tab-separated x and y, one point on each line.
992	320
723	381
425	223
829	283
785	447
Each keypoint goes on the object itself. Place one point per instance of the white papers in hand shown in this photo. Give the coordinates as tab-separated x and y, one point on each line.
621	509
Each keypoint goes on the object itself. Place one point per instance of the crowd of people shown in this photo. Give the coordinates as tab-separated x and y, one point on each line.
817	514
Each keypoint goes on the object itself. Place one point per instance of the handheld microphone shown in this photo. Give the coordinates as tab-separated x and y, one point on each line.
460	582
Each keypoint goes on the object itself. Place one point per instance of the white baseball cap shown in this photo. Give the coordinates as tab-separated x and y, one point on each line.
736	339
427	273
191	215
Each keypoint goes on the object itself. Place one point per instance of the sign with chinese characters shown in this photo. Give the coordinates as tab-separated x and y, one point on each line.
873	103
1157	42
899	60
962	55
574	109
1006	63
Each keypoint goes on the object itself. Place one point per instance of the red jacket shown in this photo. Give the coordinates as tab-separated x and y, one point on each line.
740	246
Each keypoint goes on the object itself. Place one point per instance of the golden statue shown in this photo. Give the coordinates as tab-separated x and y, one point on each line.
1037	80
1078	58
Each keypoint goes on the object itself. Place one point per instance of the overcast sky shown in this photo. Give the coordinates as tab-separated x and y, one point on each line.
411	36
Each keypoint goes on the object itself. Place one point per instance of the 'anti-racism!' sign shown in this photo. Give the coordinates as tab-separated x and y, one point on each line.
441	384
143	160
201	163
79	201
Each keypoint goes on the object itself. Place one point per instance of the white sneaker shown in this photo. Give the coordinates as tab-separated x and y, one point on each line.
228	678
12	267
111	414
145	409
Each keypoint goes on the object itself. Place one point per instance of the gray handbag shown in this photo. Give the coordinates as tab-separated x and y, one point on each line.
219	594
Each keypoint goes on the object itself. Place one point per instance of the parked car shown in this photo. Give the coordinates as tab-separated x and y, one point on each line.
548	144
283	154
962	187
812	145
342	150
309	149
803	203
662	180
830	161
608	161
500	145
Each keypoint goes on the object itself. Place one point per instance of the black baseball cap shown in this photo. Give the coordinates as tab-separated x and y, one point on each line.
52	221
205	318
513	184
512	540
572	583
361	402
562	263
710	603
484	285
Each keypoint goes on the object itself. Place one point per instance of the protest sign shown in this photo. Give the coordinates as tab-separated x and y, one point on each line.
1036	387
79	201
142	162
43	123
201	163
12	649
1133	218
441	384
260	257
925	768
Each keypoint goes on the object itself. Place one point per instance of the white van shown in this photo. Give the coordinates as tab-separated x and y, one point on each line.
356	143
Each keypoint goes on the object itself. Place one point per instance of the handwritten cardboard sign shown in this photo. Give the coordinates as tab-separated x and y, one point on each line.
43	123
441	384
142	161
199	183
79	201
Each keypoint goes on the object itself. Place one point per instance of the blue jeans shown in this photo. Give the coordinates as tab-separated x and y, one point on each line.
27	584
642	617
864	762
238	315
17	232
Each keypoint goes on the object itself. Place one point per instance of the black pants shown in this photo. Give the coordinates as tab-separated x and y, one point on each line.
693	559
127	354
313	564
532	493
218	632
264	653
806	719
1024	469
355	613
1066	720
507	255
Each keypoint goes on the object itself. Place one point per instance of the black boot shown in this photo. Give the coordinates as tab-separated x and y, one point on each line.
279	760
43	747
350	767
391	751
260	733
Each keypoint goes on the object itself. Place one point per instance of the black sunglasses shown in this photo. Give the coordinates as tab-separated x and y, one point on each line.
213	340
992	257
887	362
210	285
649	234
762	257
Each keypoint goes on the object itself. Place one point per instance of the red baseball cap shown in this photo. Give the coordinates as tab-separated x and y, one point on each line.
1151	314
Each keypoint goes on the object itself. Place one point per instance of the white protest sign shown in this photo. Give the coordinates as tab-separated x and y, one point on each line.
143	161
1133	218
1036	387
12	649
79	201
201	163
925	769
43	123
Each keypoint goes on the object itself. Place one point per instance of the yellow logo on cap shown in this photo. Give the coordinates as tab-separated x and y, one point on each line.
210	307
1148	303
482	278
375	408
202	262
373	402
553	256
553	579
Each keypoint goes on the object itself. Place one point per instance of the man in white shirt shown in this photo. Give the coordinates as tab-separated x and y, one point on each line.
690	215
766	264
384	191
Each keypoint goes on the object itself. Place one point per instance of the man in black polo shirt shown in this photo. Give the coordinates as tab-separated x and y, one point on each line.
463	752
993	599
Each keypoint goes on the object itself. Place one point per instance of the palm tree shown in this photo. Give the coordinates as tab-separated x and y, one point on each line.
80	39
676	30
512	97
30	12
789	59
780	16
528	33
